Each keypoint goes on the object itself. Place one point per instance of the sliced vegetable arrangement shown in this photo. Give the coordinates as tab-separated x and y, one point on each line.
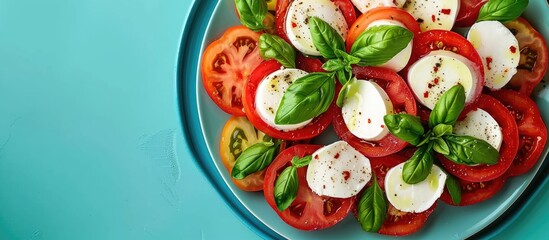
422	112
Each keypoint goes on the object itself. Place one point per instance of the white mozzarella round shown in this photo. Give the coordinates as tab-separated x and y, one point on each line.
433	14
499	50
297	18
338	170
482	125
417	197
437	72
365	5
399	61
363	111
269	93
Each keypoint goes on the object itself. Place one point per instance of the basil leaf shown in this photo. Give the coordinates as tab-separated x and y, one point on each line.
325	38
350	88
418	167
425	139
333	65
440	146
255	158
502	10
442	129
379	44
274	47
252	13
343	76
454	188
469	150
286	186
306	98
448	107
405	127
348	58
301	162
372	208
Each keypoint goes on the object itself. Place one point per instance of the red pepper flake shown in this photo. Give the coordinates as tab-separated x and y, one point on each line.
316	157
429	85
488	62
513	49
446	11
369	120
336	156
426	94
435	69
435	80
433	18
346	175
382	126
294	25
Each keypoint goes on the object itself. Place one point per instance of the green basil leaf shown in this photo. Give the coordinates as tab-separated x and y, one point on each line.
255	158
286	186
442	129
454	188
333	65
350	88
418	167
301	162
306	98
372	208
448	107
379	44
343	76
440	146
405	127
274	47
348	58
325	38
426	138
470	150
252	13
502	10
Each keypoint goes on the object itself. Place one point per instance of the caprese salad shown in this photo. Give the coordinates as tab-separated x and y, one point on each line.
422	112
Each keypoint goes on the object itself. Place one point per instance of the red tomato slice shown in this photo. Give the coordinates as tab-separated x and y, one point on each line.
314	128
533	57
379	13
403	102
531	129
308	64
468	12
309	211
346	7
475	192
508	149
226	65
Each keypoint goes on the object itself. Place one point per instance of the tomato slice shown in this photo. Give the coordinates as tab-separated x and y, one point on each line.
380	166
379	13
508	149
308	64
346	7
314	128
531	129
468	12
226	65
475	192
403	102
309	211
533	57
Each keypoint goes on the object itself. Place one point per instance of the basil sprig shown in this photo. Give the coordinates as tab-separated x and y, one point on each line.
255	158
454	188
274	47
439	138
252	13
379	44
287	183
502	10
372	208
325	38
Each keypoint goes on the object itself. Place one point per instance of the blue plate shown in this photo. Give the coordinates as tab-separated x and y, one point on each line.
203	123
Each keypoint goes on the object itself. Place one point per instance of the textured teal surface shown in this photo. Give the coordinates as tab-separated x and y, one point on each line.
91	143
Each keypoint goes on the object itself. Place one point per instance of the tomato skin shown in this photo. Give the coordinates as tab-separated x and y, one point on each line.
531	128
388	13
529	75
237	48
508	149
307	212
468	12
475	192
314	128
308	64
403	101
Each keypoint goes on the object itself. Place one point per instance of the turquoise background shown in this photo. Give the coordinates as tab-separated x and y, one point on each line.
91	143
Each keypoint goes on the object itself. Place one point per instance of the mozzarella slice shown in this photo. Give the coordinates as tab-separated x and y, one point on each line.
482	125
365	5
297	19
499	50
269	93
437	72
417	197
399	61
338	170
433	14
364	108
